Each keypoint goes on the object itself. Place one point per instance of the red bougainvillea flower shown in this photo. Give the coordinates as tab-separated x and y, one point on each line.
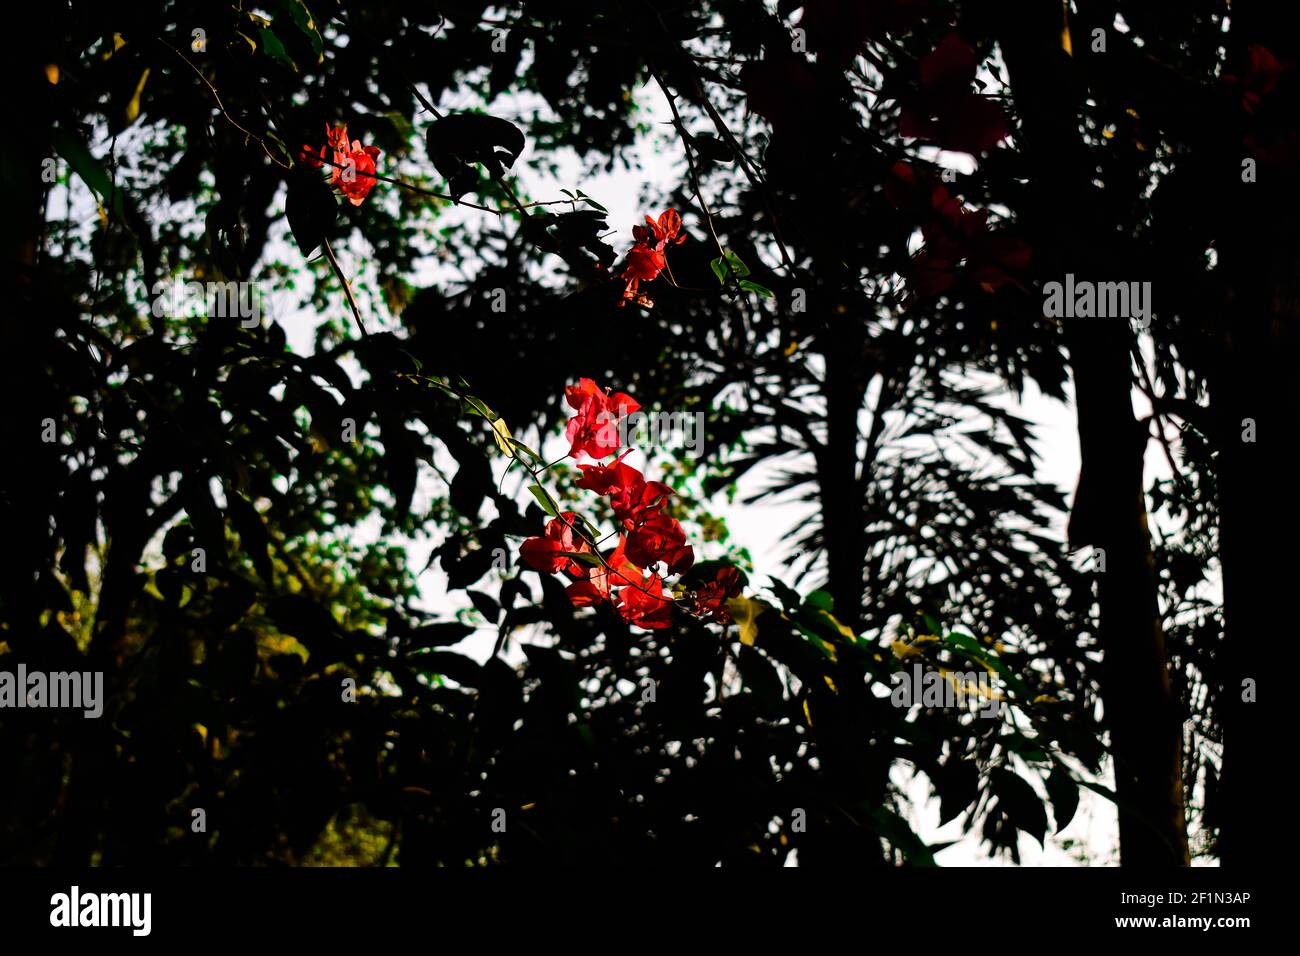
354	172
597	584
1258	78
953	235
945	111
594	430
651	543
353	165
644	263
779	88
658	233
358	178
1279	151
711	599
637	503
657	538
644	604
837	29
548	553
646	258
631	496
312	157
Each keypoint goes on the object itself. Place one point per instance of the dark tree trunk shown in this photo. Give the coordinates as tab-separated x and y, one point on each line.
1254	383
1109	512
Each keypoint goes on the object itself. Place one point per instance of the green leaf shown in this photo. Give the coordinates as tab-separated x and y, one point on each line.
821	600
968	647
745	611
440	635
501	434
1020	803
486	605
957	784
545	500
458	141
738	268
446	664
897	831
787	595
278	145
518	446
305	22
719	269
750	286
1064	794
472	483
273	48
311	209
760	678
67	145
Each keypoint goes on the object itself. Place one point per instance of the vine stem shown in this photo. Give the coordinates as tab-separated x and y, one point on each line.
347	287
690	161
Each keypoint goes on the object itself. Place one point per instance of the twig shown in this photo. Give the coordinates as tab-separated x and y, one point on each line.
725	132
221	106
690	161
1158	417
347	287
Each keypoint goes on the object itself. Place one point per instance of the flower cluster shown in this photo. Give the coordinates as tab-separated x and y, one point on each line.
945	111
647	258
1272	138
837	29
953	235
353	165
1258	78
651	543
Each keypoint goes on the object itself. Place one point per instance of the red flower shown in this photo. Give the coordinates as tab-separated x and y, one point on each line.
644	604
837	29
1260	76
547	553
953	235
660	538
779	88
353	169
336	137
1278	150
646	258
711	599
945	111
644	263
658	234
597	584
631	496
357	177
637	503
628	578
594	429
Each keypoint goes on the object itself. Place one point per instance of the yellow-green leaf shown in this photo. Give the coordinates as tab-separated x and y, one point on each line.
502	435
745	612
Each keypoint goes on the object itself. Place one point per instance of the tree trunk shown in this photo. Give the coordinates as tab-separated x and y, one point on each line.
1109	512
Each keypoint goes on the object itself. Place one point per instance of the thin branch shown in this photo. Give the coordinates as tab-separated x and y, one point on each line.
690	161
221	106
725	132
347	288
